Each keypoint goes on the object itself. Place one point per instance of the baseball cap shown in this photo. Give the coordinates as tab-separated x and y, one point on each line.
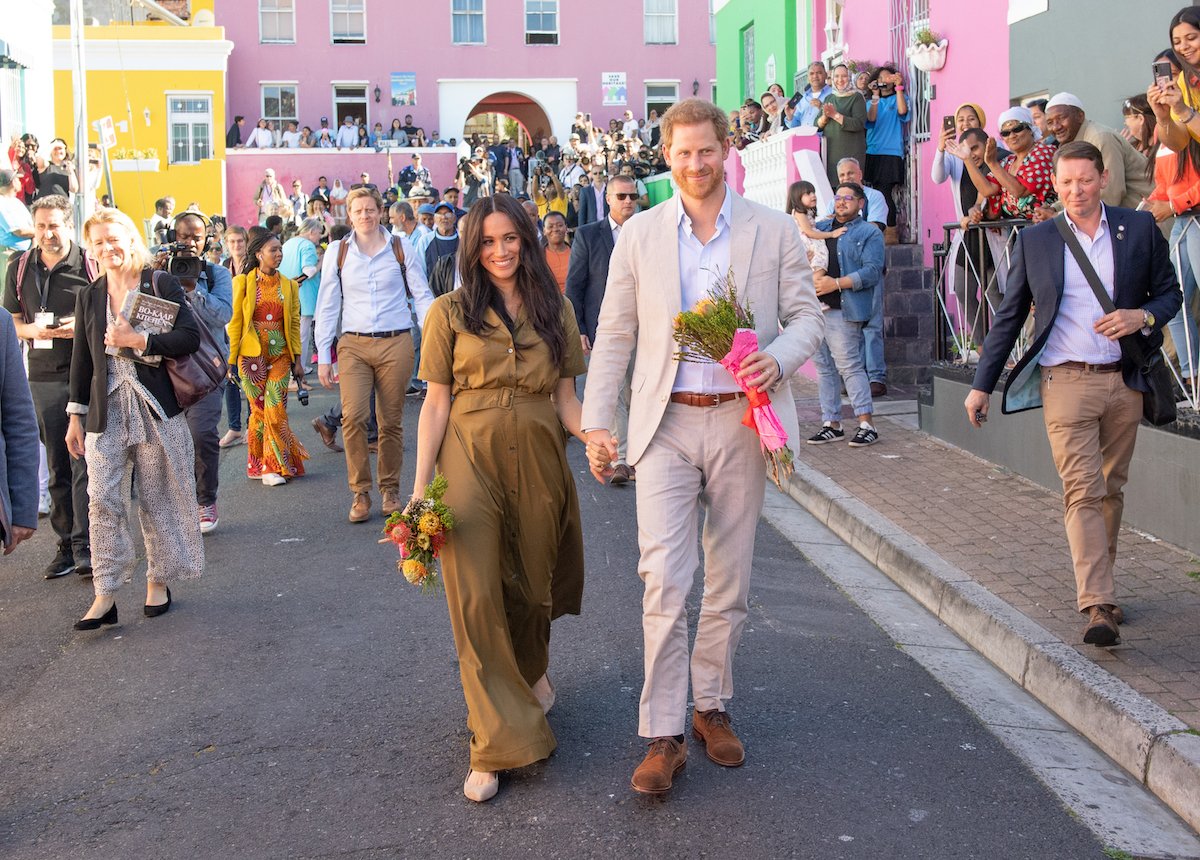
426	209
441	205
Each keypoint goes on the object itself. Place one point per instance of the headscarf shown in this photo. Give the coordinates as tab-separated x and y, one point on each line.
978	112
1021	114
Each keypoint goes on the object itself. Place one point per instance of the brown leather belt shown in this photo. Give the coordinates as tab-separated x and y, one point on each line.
691	398
1112	367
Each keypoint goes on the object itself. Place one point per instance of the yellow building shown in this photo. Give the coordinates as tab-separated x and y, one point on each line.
164	87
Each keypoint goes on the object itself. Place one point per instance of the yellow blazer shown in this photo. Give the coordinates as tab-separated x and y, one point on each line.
242	339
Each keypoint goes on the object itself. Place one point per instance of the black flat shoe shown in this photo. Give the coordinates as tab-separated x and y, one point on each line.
160	609
109	617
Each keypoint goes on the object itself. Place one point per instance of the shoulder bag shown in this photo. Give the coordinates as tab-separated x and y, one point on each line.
198	375
1158	399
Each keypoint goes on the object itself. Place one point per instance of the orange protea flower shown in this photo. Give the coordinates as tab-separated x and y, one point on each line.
413	571
705	306
430	523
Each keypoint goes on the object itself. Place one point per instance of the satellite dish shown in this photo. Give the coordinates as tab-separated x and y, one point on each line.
203	18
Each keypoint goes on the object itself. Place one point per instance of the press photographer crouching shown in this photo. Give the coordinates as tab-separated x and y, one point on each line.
209	291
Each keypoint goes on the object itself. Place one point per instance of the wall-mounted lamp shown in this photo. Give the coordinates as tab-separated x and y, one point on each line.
378	93
695	88
146	115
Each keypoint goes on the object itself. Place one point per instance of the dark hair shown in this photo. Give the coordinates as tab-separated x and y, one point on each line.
535	282
1080	151
1139	105
255	242
553	213
273	221
52	201
886	67
1040	104
795	196
855	189
339	231
975	132
1170	56
238	118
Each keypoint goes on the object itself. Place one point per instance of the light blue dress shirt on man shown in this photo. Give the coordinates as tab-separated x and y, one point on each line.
805	113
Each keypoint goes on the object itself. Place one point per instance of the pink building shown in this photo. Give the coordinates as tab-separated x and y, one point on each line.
538	61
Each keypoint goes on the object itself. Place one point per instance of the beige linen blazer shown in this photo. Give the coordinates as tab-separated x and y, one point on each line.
643	296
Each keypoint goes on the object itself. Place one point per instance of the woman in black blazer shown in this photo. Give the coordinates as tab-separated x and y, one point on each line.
131	417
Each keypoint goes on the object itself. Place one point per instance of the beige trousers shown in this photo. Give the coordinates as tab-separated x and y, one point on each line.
1092	421
701	459
383	365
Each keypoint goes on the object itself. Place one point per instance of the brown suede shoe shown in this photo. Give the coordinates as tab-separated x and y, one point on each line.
328	435
665	758
1101	629
391	502
360	510
1116	612
721	745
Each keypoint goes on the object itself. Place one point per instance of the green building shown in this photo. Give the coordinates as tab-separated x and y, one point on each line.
760	42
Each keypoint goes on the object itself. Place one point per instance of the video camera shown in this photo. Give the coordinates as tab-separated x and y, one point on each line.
181	261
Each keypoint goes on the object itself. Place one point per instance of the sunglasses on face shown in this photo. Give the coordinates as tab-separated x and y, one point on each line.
1016	129
625	195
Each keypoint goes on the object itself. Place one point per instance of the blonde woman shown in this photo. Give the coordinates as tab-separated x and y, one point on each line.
124	414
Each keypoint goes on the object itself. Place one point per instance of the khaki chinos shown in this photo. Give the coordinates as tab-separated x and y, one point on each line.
383	365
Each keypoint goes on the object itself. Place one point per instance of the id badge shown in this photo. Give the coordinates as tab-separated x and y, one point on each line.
45	319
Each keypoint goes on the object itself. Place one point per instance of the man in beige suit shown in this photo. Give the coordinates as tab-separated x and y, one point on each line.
686	439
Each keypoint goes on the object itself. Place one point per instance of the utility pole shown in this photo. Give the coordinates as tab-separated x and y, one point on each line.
83	202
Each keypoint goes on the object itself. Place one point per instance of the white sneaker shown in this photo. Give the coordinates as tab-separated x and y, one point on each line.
270	479
44	504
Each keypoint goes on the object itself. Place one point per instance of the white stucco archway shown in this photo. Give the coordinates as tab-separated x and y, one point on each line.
558	97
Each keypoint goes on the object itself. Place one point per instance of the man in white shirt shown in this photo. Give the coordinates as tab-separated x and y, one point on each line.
347	134
363	302
630	127
291	137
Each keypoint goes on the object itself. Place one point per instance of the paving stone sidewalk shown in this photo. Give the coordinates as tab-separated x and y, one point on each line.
1007	534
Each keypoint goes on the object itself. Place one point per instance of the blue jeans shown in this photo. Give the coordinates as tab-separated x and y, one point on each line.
839	357
1183	326
415	381
872	339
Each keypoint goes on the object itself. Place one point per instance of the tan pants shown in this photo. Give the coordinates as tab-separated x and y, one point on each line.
383	365
1091	420
700	459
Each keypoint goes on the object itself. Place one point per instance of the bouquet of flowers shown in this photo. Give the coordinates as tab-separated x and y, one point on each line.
721	329
419	532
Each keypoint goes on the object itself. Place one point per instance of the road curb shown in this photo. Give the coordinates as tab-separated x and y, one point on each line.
1158	749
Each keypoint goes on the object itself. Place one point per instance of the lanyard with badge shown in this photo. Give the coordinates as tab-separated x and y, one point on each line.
43	318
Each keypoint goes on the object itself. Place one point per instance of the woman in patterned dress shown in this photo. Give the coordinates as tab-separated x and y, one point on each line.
1018	182
264	346
123	414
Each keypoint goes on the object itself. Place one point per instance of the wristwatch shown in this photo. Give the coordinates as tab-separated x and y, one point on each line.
1147	319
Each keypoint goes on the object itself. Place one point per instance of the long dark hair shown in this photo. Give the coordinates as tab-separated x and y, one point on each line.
795	196
535	282
256	239
1147	143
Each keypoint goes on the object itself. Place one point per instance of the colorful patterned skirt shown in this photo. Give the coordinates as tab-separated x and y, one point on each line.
265	377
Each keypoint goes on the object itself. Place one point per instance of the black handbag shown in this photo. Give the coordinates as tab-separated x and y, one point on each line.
198	375
1158	400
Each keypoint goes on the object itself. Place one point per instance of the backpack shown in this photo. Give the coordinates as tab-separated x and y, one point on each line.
441	276
89	268
397	249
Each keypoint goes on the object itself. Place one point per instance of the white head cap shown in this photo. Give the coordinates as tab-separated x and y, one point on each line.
1065	99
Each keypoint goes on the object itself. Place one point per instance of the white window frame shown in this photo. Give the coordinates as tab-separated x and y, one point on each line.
334	86
557	23
647	101
276	11
348	40
482	13
647	16
262	102
712	22
192	119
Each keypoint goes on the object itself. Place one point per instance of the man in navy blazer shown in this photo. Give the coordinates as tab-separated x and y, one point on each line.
1077	368
18	444
594	197
587	273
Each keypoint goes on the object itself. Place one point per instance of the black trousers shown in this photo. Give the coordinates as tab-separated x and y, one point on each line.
202	420
333	419
68	477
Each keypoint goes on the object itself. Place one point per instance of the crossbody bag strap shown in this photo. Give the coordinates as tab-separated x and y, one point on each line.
1089	272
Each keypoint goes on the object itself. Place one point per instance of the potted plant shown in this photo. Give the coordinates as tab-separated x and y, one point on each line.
928	50
134	160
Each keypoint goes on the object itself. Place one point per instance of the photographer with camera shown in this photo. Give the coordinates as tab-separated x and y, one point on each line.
474	178
209	292
887	114
547	192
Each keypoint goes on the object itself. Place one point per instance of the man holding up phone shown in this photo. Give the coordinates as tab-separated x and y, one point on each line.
39	292
808	103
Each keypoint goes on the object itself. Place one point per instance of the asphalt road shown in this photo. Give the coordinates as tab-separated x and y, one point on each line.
301	700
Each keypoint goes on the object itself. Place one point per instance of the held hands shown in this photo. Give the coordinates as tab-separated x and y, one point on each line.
1154	95
760	370
977	403
601	452
1118	324
121	333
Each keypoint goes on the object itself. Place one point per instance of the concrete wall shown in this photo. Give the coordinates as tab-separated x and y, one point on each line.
1163	492
416	37
1057	50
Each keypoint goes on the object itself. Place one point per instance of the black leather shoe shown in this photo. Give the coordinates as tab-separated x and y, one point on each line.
109	617
62	565
84	568
160	609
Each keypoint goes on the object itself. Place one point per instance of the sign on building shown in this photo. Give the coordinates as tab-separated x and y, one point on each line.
613	85
108	134
404	88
